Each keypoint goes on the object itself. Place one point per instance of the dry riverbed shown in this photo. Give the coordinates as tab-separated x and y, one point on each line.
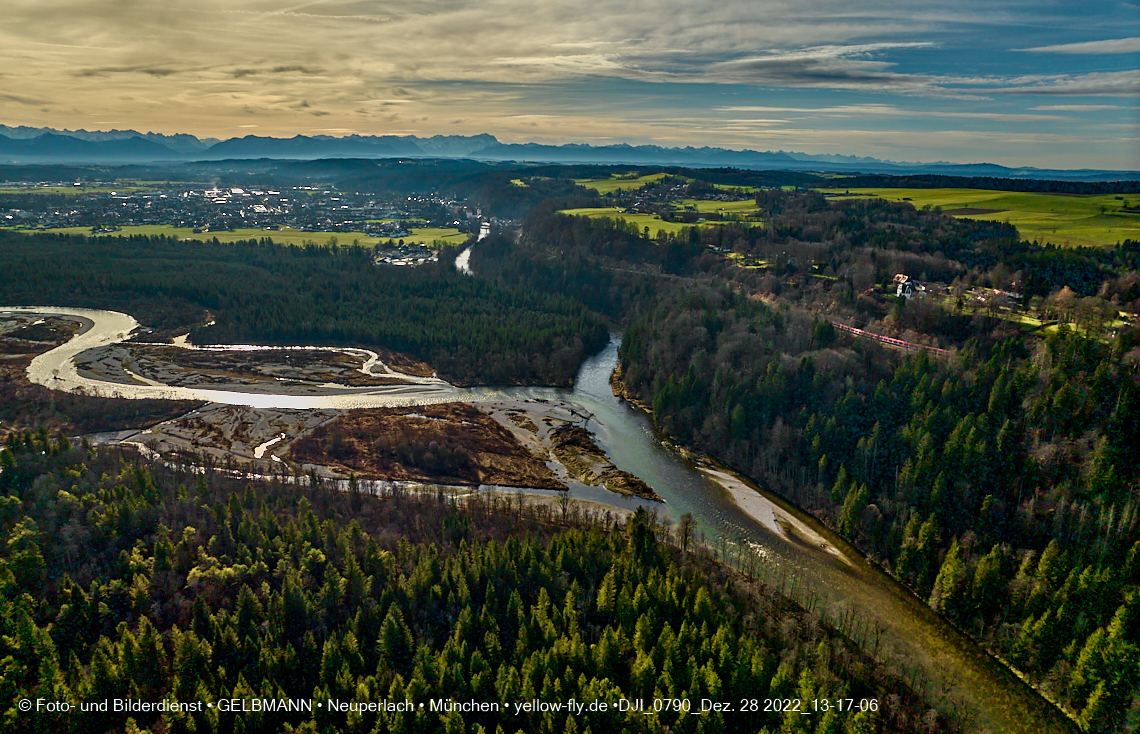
25	405
184	366
449	443
536	443
254	437
587	463
532	444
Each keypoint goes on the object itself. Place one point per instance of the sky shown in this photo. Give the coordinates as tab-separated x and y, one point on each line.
1044	83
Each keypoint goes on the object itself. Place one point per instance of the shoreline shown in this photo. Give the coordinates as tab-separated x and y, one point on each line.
755	503
943	639
919	636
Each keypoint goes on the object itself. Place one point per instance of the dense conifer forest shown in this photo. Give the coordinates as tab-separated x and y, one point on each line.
122	579
997	483
994	478
470	330
1000	486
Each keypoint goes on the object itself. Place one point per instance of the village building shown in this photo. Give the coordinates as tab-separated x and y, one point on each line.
906	286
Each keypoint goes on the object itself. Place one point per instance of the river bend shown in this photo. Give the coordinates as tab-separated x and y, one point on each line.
791	548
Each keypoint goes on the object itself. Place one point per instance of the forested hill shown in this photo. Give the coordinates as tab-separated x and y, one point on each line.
999	486
471	330
998	483
991	183
120	579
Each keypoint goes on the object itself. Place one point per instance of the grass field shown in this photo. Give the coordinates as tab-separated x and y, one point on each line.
615	182
1061	219
742	189
428	235
742	208
287	236
654	222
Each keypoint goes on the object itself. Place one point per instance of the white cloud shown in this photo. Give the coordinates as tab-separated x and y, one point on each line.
1079	107
895	111
1099	84
867	109
468	66
1109	46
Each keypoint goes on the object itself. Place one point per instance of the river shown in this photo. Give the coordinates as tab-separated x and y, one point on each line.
463	261
784	546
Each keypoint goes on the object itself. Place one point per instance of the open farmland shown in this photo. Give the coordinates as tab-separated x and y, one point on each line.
286	236
704	206
733	187
428	235
1060	219
654	222
618	181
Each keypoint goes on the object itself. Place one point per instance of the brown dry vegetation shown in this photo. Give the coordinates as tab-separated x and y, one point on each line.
24	405
575	448
405	363
51	331
295	364
451	443
522	420
617	384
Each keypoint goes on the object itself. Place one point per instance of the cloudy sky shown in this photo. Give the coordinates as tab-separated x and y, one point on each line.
1047	83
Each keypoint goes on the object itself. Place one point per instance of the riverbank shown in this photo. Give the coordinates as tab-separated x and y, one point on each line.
826	573
617	383
953	671
25	404
773	516
451	443
577	451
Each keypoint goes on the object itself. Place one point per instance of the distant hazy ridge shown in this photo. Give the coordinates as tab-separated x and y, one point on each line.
45	145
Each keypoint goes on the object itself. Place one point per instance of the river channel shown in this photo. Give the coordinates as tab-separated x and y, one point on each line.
786	547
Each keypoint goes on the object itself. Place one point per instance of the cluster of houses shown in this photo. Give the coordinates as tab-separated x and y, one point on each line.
211	208
406	255
906	286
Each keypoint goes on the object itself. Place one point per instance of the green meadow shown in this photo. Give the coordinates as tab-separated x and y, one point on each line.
1060	219
741	208
741	189
429	235
625	182
654	222
285	236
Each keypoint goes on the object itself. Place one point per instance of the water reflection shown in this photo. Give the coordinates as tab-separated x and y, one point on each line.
838	584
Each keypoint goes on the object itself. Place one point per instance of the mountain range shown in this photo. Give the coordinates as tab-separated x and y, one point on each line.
47	145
